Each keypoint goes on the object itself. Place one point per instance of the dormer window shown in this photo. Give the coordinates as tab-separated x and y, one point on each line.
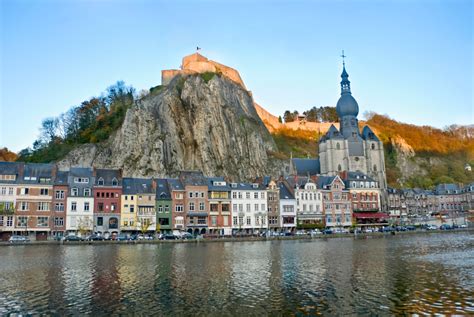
100	182
114	182
373	146
254	185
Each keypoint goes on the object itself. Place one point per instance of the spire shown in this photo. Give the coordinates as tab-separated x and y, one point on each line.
345	83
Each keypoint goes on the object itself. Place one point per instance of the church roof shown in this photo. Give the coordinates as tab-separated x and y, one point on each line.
368	134
305	167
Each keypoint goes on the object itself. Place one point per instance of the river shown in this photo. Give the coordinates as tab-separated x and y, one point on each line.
420	273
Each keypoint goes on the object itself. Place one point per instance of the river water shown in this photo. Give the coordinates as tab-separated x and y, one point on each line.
421	273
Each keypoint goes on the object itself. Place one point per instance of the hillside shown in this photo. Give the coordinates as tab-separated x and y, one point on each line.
197	122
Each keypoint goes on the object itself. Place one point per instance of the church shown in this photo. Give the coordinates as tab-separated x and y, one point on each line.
347	149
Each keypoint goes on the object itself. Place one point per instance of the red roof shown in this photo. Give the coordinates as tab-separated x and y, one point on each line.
370	215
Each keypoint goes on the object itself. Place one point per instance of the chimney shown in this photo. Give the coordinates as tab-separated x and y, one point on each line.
153	183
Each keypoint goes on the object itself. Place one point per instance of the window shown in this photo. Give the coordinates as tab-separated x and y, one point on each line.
100	221
44	191
202	194
255	195
240	195
59	194
256	207
22	221
201	206
160	208
58	222
10	190
214	221
86	206
339	168
132	208
100	181
241	207
24	206
262	195
191	206
234	195
3	191
24	191
43	206
59	207
10	221
73	206
249	220
81	180
87	192
247	195
202	221
328	219
375	168
179	208
113	207
114	182
234	220
247	207
257	220
234	207
100	206
74	191
167	208
373	146
225	207
241	220
226	221
43	221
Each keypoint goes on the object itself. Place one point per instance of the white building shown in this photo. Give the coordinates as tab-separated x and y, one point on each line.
309	202
9	173
80	202
287	208
249	208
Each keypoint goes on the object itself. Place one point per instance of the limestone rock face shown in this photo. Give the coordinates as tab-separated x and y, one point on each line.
190	124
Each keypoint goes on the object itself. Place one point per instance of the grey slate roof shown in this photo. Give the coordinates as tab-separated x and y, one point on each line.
333	133
212	187
298	181
175	184
368	134
162	189
37	171
306	166
285	193
324	181
356	176
247	186
134	186
81	172
61	178
443	189
108	175
10	168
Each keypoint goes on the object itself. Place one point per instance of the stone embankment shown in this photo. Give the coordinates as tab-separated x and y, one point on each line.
469	230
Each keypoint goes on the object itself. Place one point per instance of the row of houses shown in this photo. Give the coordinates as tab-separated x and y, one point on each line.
445	199
42	201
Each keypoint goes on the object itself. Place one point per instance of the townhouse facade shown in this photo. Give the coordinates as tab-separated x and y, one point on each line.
164	222
337	203
288	207
59	204
220	218
80	201
196	202
309	202
249	208
178	215
107	194
273	205
138	205
9	174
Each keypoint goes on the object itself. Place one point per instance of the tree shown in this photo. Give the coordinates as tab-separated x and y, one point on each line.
49	128
280	119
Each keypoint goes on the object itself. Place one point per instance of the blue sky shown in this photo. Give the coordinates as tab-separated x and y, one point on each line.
411	60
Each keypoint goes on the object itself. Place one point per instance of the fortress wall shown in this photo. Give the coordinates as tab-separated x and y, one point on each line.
167	75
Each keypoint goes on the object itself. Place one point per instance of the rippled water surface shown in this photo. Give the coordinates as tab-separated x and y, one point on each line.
425	273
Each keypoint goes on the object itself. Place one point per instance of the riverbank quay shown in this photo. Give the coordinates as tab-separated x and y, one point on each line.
246	239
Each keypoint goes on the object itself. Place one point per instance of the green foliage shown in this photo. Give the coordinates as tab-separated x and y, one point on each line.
280	119
156	90
301	143
91	122
207	76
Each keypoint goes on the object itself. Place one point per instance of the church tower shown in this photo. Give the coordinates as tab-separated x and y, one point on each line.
347	149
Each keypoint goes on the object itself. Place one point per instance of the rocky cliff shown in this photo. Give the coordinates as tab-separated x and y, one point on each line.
194	123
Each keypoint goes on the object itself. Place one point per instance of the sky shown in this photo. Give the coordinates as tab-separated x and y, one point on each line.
410	60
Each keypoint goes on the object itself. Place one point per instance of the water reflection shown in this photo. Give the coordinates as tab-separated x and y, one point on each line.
389	275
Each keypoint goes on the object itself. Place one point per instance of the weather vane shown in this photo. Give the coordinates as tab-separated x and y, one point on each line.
343	56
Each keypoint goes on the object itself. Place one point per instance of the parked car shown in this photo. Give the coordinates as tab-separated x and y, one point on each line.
463	225
94	237
72	238
315	232
123	237
431	227
170	237
327	231
187	236
18	239
445	227
410	228
300	233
